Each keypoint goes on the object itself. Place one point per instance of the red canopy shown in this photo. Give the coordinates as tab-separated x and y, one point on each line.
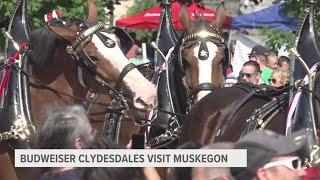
149	19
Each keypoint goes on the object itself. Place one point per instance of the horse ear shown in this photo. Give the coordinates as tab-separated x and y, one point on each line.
67	34
220	15
92	12
185	18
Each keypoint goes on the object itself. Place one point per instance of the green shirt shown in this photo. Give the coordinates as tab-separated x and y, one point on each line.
138	61
266	74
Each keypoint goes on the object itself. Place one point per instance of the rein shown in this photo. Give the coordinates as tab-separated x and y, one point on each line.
231	114
172	113
259	114
12	63
272	108
117	111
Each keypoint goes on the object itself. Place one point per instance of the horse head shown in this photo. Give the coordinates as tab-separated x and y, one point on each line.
103	51
202	53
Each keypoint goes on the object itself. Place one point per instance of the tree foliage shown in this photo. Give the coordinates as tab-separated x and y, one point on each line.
277	38
38	8
139	6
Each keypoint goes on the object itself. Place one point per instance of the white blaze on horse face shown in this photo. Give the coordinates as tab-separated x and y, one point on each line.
144	92
205	67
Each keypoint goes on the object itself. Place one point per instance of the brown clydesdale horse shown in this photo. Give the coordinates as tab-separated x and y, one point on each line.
202	53
64	65
103	65
227	114
195	67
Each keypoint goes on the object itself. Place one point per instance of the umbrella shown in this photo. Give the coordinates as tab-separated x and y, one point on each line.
149	19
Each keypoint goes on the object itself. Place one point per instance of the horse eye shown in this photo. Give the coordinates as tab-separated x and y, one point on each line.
85	44
94	58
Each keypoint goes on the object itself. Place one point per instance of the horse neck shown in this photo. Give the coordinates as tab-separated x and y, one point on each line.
58	73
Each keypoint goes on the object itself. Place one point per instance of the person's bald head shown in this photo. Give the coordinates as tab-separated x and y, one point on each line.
207	173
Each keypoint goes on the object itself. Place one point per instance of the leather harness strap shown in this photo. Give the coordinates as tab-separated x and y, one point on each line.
231	114
123	73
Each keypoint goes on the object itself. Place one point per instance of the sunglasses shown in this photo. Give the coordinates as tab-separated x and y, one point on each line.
247	75
293	163
272	81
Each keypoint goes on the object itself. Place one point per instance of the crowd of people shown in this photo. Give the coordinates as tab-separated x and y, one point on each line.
264	67
270	156
68	127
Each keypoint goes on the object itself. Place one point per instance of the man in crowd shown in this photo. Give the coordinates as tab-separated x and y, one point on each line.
250	72
138	59
66	127
271	156
259	54
284	62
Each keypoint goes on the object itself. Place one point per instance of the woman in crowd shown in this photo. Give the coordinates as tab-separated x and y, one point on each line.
279	77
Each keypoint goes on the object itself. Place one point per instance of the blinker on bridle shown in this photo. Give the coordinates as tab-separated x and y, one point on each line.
83	57
87	33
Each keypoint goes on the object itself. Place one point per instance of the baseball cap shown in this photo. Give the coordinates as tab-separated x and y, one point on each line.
259	50
262	146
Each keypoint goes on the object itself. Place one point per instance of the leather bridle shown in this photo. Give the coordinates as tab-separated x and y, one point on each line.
202	36
86	61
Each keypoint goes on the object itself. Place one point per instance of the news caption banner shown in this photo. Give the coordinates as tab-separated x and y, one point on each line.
130	158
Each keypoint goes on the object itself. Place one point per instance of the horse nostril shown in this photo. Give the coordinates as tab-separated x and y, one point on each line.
146	105
140	101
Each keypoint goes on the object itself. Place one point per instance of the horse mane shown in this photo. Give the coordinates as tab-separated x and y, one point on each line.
42	43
